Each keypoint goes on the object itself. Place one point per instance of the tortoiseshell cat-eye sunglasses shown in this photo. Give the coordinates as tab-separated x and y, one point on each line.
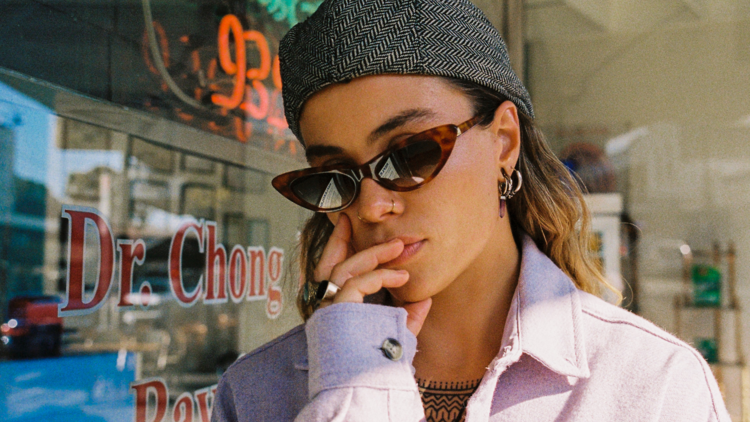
405	166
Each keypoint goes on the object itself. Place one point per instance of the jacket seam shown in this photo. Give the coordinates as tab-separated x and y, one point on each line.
675	342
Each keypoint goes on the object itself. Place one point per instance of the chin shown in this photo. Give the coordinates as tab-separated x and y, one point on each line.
412	291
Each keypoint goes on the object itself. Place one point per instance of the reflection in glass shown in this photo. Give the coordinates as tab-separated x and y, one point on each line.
83	136
198	200
25	127
147	197
259	232
196	164
234	178
238	179
144	191
154	158
242	231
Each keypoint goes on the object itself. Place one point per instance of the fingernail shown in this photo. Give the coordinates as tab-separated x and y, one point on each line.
403	272
396	240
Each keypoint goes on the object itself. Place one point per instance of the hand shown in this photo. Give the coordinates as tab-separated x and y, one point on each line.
358	275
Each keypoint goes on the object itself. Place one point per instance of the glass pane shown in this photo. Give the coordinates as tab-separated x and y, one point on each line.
122	264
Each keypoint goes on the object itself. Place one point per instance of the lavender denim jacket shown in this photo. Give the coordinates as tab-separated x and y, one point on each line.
566	356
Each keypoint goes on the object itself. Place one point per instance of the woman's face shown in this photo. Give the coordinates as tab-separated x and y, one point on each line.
447	225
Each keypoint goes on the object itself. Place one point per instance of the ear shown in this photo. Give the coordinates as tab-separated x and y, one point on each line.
507	130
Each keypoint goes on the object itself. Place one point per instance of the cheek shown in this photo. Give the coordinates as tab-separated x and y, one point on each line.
463	202
460	208
471	188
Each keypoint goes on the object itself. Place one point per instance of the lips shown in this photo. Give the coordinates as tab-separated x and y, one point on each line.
410	249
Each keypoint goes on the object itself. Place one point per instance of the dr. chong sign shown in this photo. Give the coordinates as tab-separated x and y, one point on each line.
242	273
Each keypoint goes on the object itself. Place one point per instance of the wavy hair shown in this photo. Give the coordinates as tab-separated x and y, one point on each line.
550	207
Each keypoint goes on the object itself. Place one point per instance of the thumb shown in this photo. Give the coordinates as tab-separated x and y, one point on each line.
416	314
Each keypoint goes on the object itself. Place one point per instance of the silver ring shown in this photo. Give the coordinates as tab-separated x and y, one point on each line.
326	290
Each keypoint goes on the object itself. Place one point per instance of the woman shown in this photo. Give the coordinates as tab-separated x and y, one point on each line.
447	275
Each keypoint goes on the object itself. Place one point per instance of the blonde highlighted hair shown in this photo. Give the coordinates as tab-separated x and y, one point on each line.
550	207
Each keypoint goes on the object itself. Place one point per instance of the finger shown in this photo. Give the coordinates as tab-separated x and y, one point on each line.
417	314
365	261
336	250
356	288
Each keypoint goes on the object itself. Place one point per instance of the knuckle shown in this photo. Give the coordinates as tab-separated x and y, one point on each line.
376	259
355	288
338	272
344	296
350	283
372	282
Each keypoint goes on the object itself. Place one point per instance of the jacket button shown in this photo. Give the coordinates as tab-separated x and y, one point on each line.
392	349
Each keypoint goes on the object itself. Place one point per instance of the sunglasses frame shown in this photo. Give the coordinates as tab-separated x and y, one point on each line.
445	136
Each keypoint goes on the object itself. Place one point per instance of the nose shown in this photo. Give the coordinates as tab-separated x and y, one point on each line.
375	203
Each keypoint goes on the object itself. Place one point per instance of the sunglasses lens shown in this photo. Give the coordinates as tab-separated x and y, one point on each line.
411	165
326	191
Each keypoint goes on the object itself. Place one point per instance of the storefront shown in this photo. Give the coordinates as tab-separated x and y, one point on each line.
143	248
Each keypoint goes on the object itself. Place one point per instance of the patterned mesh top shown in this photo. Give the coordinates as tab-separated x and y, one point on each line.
446	401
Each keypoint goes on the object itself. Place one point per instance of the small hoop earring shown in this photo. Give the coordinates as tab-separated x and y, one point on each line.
509	188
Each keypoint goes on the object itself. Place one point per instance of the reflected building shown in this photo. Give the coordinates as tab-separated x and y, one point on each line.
7	199
22	207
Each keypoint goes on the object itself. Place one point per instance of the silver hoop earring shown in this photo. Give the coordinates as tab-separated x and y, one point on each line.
509	188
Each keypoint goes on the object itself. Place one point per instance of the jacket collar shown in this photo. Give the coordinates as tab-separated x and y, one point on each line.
545	315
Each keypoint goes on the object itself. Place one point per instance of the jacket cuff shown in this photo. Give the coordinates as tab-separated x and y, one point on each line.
344	343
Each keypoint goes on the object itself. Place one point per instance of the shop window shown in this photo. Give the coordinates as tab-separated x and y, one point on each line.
124	203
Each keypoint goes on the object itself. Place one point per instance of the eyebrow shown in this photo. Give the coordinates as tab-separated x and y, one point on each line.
316	151
388	126
399	120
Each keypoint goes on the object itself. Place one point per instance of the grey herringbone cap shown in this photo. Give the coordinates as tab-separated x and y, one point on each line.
346	39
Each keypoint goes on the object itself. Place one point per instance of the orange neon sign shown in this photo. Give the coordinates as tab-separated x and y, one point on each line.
247	91
230	24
